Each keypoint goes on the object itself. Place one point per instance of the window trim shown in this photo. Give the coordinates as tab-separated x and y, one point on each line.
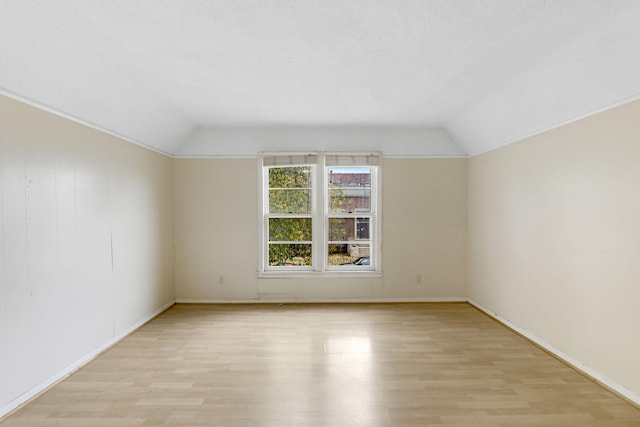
320	215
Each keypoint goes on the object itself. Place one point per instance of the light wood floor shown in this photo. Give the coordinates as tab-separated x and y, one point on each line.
325	365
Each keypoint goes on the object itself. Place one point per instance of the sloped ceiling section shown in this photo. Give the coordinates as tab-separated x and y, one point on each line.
423	77
596	70
405	141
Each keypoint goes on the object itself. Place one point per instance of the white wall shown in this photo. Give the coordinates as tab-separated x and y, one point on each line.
424	232
86	247
554	240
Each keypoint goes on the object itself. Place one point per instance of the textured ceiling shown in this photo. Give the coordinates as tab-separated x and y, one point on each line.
164	73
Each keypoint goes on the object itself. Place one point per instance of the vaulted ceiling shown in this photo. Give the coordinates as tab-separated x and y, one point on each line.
181	76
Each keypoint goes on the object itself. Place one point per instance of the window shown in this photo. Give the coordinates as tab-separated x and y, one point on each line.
320	213
290	215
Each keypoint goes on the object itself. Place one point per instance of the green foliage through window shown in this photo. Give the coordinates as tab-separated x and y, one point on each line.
290	189
290	229
290	193
289	254
290	177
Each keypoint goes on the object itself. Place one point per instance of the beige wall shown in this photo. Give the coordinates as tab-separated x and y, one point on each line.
424	227
86	248
215	228
554	239
424	232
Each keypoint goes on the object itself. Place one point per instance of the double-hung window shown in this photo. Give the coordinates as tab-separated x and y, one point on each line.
320	212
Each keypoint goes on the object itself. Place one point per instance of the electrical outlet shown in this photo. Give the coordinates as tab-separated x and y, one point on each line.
221	279
419	279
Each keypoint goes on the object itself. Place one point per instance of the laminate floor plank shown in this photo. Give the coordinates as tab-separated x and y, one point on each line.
325	365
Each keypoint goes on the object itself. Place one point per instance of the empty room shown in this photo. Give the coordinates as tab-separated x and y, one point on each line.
320	213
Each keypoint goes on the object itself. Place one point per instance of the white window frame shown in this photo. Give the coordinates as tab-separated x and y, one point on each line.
320	214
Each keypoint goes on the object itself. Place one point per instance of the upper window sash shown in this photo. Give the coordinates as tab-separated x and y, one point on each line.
289	189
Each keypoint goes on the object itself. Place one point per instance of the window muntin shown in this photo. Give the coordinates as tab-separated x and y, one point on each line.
320	216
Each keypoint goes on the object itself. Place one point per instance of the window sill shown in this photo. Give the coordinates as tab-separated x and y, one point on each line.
319	275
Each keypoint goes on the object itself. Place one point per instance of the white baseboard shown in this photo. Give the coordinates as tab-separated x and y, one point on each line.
54	379
586	370
314	300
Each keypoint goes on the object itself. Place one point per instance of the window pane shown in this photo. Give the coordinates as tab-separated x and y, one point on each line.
362	228
290	229
289	255
349	254
341	229
290	177
290	189
349	189
290	201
